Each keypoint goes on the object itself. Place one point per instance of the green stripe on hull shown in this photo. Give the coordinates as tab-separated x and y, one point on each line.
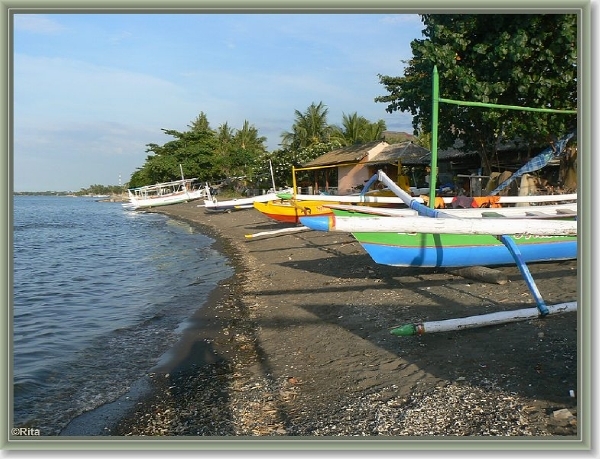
449	240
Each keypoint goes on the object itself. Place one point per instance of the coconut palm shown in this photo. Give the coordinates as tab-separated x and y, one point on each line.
309	128
357	129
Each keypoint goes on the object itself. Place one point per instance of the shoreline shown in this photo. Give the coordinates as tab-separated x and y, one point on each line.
297	343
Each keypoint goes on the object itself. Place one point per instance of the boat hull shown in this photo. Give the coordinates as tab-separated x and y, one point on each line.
288	212
456	250
177	198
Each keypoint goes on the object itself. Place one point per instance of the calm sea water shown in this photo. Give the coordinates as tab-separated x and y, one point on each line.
100	293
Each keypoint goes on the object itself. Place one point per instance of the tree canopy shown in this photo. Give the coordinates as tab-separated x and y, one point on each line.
215	154
310	127
357	129
527	60
203	153
312	136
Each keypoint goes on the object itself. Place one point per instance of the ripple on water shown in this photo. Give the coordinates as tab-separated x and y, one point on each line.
99	294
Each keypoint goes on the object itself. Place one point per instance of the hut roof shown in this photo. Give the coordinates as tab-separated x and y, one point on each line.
352	153
405	152
409	153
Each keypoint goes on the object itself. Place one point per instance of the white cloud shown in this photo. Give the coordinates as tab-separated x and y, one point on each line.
36	23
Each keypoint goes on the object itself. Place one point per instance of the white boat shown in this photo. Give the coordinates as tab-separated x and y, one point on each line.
164	194
211	203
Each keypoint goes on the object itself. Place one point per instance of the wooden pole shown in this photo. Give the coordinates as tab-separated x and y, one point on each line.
434	138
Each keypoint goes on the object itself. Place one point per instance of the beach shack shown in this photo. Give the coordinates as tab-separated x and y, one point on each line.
345	170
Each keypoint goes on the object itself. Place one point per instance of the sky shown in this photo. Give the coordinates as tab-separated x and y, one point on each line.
92	90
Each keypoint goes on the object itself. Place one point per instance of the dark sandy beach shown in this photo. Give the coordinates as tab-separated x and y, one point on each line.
298	343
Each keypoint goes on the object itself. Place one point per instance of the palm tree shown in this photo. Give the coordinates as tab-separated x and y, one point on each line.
246	149
225	137
200	124
351	131
248	138
374	131
309	128
357	129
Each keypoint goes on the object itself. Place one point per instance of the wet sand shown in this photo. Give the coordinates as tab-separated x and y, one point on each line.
297	343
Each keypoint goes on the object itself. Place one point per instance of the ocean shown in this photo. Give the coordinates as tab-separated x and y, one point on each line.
100	293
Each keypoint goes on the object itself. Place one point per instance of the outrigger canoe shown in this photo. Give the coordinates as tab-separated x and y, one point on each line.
290	211
446	240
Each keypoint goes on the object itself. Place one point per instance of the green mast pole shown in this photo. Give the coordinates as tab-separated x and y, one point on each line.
434	138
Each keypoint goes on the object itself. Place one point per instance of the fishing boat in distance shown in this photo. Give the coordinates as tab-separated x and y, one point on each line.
164	194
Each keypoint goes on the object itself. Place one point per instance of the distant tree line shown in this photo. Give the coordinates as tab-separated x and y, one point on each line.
96	190
93	190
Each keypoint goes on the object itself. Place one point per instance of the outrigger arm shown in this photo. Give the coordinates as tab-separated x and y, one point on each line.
516	254
507	240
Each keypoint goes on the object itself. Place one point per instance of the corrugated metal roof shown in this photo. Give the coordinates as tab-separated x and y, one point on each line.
352	153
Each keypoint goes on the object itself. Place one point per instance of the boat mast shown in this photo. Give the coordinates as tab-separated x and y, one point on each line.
185	188
272	176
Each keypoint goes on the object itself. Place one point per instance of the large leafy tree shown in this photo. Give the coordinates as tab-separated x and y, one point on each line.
194	150
527	60
200	124
204	153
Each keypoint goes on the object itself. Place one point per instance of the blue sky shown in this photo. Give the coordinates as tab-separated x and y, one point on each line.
91	90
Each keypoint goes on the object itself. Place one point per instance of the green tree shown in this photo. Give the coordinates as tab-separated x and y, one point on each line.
250	146
239	149
194	150
310	127
200	124
203	153
523	60
282	161
225	135
357	129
